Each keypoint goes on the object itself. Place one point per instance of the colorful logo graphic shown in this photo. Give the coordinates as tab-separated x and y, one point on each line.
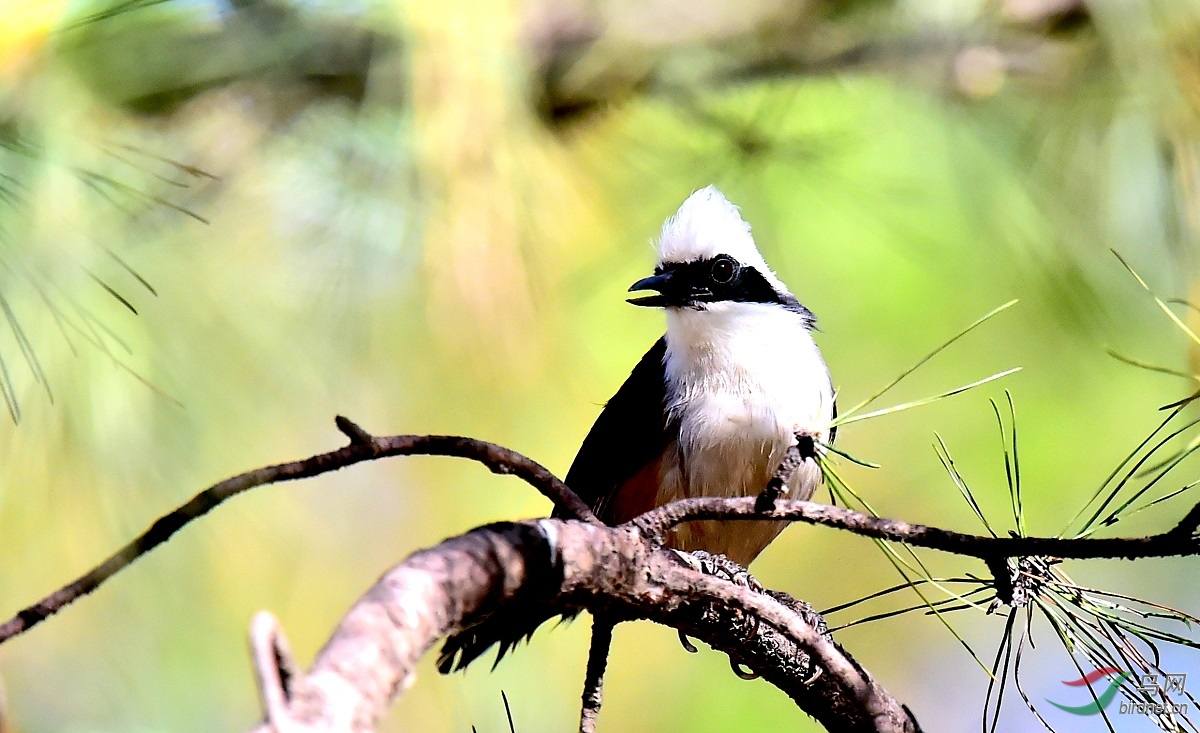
1100	701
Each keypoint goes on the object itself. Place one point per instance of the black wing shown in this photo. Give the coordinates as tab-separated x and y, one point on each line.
630	433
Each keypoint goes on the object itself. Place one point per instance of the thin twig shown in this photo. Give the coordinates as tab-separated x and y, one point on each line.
1188	525
593	684
352	430
803	449
1173	543
363	447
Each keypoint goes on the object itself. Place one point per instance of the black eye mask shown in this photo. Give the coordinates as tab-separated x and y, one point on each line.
713	280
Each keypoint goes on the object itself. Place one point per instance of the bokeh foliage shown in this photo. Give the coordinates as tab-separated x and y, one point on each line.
222	223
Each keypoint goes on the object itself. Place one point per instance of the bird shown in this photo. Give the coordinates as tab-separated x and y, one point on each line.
709	411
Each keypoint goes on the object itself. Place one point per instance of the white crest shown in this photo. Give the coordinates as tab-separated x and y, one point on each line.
707	225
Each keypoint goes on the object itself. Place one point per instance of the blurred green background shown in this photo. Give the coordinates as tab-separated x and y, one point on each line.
224	222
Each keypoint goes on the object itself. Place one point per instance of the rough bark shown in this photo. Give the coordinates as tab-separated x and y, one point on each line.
371	657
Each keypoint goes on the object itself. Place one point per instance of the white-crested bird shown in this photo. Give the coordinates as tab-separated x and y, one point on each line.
710	410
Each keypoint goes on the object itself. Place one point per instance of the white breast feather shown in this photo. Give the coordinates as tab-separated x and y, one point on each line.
742	378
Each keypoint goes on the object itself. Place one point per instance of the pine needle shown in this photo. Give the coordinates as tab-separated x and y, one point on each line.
848	419
1015	484
1148	367
857	461
1124	462
929	356
943	454
1165	308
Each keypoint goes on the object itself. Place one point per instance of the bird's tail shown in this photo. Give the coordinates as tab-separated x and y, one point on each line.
505	629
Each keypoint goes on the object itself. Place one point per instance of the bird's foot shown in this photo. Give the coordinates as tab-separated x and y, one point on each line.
722	567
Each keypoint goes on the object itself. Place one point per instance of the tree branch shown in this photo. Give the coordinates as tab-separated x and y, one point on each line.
597	664
609	571
1188	525
618	573
363	447
1173	543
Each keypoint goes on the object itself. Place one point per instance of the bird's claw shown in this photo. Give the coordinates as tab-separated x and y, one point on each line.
741	671
720	566
688	646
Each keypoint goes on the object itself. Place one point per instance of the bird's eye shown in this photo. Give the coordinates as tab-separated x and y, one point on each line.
723	270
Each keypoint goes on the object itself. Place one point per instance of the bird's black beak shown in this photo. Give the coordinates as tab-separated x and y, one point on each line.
660	282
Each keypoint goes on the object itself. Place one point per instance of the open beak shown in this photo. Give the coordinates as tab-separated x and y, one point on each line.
656	282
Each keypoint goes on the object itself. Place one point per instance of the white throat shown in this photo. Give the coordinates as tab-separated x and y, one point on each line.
746	362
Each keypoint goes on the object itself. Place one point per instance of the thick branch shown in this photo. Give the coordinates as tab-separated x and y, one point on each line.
371	657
